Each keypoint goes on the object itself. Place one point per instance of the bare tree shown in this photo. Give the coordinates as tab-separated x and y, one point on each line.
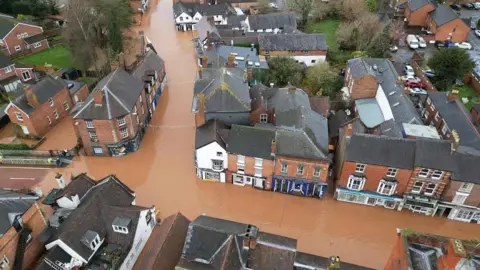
397	30
304	7
357	35
353	9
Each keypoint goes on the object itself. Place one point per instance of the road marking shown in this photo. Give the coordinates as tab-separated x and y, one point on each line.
21	178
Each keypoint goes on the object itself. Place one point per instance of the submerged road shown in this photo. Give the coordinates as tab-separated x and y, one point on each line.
162	174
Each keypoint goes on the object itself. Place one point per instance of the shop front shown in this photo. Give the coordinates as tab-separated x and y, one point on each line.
465	214
248	180
123	148
211	175
299	187
368	198
418	204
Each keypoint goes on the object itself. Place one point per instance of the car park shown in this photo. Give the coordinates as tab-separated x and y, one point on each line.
393	48
464	45
408	70
412	42
418	91
477	33
429	73
468	6
421	42
456	7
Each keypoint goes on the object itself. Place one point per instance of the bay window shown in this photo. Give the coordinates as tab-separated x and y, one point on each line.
386	188
355	183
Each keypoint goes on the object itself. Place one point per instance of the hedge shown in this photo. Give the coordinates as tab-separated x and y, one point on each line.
20	146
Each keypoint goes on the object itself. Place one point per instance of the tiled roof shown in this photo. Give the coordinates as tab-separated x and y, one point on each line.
320	105
204	26
204	9
272	21
273	252
151	62
11	204
293	42
7	23
285	99
305	261
466	168
251	141
434	154
417	4
444	14
5	61
79	185
35	38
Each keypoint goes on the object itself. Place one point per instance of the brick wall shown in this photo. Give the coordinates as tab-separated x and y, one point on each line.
81	94
267	168
473	199
12	40
37	122
439	123
425	80
365	87
460	34
309	166
20	71
441	183
419	16
34	219
255	116
4	75
374	174
398	259
43	46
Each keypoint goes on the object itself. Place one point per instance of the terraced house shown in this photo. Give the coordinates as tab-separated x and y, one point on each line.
13	75
114	118
187	15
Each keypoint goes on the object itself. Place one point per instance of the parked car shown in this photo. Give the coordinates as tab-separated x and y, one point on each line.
464	45
408	70
418	91
439	44
413	84
468	6
477	33
477	5
393	48
456	7
421	42
429	73
412	42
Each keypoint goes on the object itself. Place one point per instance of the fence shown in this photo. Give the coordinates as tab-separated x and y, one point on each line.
21	54
425	80
37	153
33	161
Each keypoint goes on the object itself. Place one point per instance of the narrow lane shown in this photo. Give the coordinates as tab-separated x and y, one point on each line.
162	173
20	177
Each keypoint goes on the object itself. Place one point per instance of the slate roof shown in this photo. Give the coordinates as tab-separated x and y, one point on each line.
293	42
251	58
5	61
305	261
236	21
237	1
35	38
121	91
151	62
105	201
251	141
7	23
358	68
56	254
79	185
224	90
204	26
47	87
210	132
465	170
11	204
434	154
302	133
272	20
417	4
444	14
381	150
457	118
273	252
284	99
74	86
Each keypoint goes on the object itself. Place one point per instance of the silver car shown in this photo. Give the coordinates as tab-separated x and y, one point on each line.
421	42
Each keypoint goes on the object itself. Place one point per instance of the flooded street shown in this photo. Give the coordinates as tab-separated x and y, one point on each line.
162	174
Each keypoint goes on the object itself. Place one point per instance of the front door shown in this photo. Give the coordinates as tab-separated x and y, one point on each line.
98	151
25	130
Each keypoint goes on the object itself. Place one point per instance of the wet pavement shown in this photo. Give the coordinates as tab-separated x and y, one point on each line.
60	137
162	174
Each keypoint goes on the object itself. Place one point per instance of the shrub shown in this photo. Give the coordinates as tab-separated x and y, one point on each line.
20	146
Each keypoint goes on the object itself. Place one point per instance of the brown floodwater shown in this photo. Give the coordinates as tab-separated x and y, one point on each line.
162	174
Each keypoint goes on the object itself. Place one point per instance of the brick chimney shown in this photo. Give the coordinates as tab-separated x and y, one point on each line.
200	73
349	130
253	242
274	147
231	61
455	253
455	139
31	97
205	61
200	115
97	97
209	38
453	95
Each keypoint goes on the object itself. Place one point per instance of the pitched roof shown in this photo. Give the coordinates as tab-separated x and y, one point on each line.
251	141
305	261
295	42
151	62
210	132
35	38
79	185
224	90
417	4
302	133
121	91
105	201
7	23
465	168
381	150
320	105
273	252
457	118
205	26
337	120
244	57
272	21
444	14
46	88
12	204
204	9
5	61
434	154
358	68
284	99
74	86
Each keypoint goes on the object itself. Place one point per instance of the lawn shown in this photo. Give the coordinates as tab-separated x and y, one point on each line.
328	27
467	91
58	56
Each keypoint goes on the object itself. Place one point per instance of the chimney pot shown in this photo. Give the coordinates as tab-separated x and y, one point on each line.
31	96
97	97
271	85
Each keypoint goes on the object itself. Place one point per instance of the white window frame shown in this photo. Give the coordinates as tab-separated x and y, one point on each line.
217	165
138	119
93	135
392	172
241	159
19	116
120	229
444	128
466	187
423	173
7	69
360	167
437	116
66	106
22	35
135	109
51	102
437	174
429	101
143	110
124	133
219	154
238	179
258	162
49	120
464	214
316	171
460	198
121	121
258	172
433	190
4	263
55	113
18	48
89	124
141	99
382	186
426	114
352	185
432	107
26	74
420	188
300	169
263	118
283	167
95	242
37	44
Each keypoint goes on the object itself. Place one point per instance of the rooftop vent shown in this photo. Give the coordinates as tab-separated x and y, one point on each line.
348	112
375	67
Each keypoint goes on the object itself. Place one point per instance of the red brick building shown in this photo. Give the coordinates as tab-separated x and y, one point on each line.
16	36
250	158
13	74
41	107
114	118
417	11
20	233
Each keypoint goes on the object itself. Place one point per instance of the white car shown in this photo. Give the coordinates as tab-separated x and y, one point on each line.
464	45
418	91
477	33
421	42
408	70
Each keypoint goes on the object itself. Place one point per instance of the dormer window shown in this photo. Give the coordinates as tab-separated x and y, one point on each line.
121	225
91	239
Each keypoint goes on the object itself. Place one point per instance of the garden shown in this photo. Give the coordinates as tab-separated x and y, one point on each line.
59	57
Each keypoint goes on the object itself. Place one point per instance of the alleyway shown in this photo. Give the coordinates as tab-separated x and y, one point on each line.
162	173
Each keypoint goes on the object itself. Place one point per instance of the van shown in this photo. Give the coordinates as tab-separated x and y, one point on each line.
412	42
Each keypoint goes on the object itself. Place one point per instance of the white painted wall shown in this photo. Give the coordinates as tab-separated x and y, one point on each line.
65	202
307	59
186	18
197	17
208	152
141	237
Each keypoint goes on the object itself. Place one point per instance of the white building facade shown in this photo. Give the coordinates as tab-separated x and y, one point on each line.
211	162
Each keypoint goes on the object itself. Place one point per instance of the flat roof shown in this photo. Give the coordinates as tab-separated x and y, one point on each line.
420	131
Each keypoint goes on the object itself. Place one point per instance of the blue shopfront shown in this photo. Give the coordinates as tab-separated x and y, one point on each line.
300	187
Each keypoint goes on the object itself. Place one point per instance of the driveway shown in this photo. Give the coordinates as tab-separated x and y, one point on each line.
162	174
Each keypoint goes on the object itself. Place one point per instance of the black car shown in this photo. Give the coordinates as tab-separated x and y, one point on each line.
439	44
456	7
468	6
